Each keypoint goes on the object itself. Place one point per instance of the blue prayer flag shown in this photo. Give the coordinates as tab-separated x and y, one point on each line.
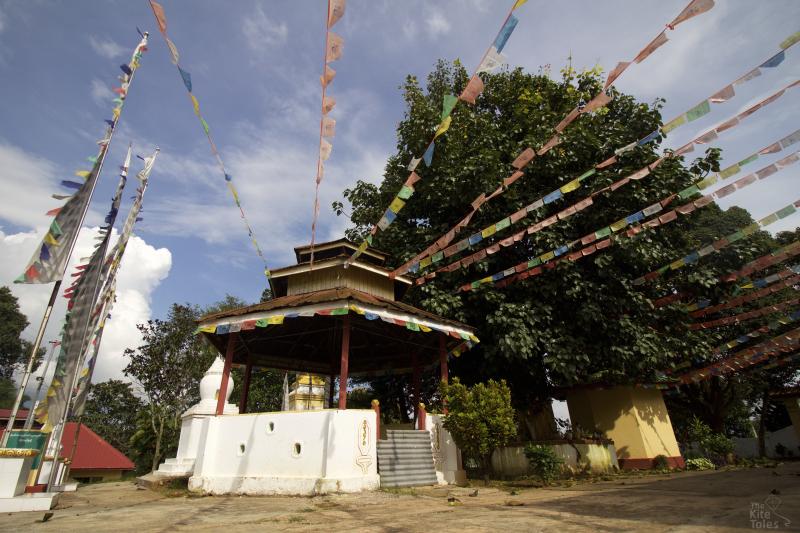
505	33
187	79
775	60
428	155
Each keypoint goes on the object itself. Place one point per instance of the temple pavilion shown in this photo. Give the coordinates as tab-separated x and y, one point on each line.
334	321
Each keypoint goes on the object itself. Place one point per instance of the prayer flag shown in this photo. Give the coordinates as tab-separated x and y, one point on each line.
326	78
195	104
327	104
448	103
674	123
561	126
597	102
472	90
491	61
325	149
654	45
524	158
396	205
336	12
328	127
571	186
173	51
187	79
789	41
428	155
518	4
505	33
695	7
616	73
775	60
699	110
443	127
161	19
335	47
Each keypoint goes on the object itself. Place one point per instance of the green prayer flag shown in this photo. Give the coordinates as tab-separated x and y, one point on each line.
405	193
786	211
698	111
605	232
205	125
754	227
710	180
55	229
448	103
438	256
750	159
340	311
587	174
688	191
412	326
534	262
503	224
735	236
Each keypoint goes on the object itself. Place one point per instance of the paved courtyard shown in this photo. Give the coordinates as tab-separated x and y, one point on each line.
690	501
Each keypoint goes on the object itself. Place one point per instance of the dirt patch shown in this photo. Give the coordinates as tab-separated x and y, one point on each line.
690	501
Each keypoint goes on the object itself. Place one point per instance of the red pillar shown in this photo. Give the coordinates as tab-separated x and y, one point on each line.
443	358
376	406
226	373
443	366
248	370
415	385
344	362
422	416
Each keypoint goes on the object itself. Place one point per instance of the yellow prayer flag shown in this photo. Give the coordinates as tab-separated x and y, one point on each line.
207	329
518	4
115	112
489	231
426	329
675	265
50	240
396	205
487	279
83	174
443	127
277	319
618	225
195	105
571	186
233	192
547	257
669	126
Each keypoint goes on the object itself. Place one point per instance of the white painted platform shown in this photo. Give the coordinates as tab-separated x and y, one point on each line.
41	501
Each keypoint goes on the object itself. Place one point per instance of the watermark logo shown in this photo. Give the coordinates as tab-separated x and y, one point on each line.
766	516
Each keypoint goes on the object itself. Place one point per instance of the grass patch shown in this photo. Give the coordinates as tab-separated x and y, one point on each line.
400	491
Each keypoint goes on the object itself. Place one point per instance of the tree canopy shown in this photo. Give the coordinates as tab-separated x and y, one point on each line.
583	322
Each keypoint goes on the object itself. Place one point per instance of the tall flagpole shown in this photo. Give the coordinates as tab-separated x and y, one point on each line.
57	286
29	418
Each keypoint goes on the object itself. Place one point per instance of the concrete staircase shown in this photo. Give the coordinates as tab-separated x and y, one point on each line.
405	459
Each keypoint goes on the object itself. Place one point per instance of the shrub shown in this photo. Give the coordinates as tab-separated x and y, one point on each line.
701	463
660	462
480	419
715	446
546	465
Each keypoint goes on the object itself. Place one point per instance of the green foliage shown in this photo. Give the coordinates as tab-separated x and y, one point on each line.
583	321
700	463
13	350
660	462
545	464
111	411
480	419
713	445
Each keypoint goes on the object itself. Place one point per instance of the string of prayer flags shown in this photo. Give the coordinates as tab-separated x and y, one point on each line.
521	269
719	244
106	300
491	60
599	101
773	258
49	261
583	204
748	315
161	19
334	46
770	288
696	7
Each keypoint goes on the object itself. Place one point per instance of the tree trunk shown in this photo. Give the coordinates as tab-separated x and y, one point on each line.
157	452
487	468
762	425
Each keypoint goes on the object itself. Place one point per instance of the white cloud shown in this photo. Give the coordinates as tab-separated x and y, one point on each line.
143	268
106	47
101	94
28	180
262	32
436	23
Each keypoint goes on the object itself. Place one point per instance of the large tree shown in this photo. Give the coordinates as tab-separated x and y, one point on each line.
111	411
12	323
167	367
583	322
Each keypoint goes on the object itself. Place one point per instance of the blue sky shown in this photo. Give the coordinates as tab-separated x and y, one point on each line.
255	68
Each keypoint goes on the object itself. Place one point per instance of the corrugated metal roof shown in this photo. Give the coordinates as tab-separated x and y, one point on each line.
332	295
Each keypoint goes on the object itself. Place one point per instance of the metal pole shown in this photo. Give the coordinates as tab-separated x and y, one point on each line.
29	419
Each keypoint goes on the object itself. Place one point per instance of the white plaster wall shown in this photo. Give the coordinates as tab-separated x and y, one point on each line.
748	447
446	455
336	453
14	475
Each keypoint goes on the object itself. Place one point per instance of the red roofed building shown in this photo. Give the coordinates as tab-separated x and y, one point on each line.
95	459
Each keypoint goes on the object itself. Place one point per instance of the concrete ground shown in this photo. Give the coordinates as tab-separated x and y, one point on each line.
688	501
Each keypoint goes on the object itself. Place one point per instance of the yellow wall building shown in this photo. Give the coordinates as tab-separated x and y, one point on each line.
636	419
